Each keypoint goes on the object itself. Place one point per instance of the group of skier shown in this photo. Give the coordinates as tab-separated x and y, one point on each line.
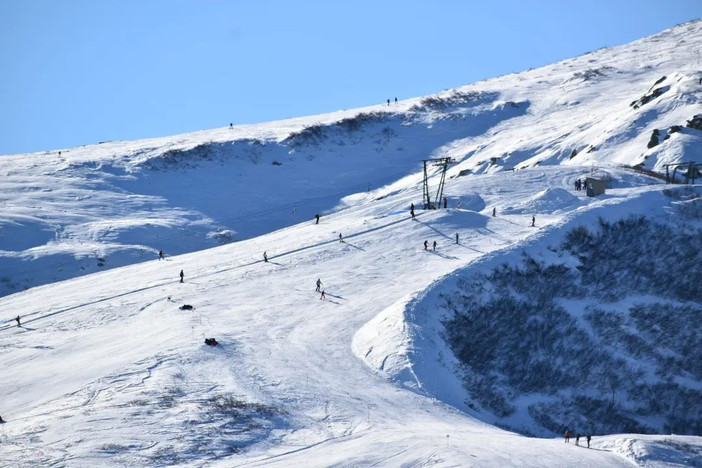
580	185
567	435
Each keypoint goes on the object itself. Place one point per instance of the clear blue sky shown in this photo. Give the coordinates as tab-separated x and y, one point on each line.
78	72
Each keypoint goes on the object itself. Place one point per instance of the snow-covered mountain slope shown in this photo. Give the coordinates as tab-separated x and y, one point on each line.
109	368
81	210
109	371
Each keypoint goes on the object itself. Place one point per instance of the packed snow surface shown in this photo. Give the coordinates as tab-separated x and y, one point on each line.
106	369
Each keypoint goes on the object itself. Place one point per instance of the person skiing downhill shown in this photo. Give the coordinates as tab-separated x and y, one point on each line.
182	275
412	210
341	238
323	296
319	284
18	320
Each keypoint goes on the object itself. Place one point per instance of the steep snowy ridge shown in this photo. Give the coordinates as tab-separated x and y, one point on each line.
107	366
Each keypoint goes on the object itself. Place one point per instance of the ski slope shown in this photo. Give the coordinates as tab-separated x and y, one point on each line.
108	371
76	211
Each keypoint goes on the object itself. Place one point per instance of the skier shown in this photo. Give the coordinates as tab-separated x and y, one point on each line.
316	217
18	320
577	439
319	284
265	257
323	296
341	239
160	255
588	440
494	212
434	246
567	436
426	245
231	125
456	238
396	100
388	102
445	202
459	205
182	275
412	210
533	220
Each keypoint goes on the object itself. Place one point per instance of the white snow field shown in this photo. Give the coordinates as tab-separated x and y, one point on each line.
108	370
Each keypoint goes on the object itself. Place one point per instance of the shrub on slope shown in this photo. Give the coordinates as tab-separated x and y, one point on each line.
607	341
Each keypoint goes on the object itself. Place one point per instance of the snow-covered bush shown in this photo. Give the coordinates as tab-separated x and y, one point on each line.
607	341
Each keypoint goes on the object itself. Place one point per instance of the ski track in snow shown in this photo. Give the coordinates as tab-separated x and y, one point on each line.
106	370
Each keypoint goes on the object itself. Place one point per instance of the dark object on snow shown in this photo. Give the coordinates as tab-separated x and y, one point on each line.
277	163
160	255
456	238
319	284
445	202
182	275
533	221
654	139
323	296
494	212
695	122
186	307
316	217
210	342
588	440
434	246
426	245
577	439
265	257
18	320
566	436
1	420
594	187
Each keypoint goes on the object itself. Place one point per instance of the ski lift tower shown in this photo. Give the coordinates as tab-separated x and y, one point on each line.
443	164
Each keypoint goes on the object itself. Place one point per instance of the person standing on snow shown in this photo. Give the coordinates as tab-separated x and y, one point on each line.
588	438
445	202
323	296
160	255
182	275
265	257
18	320
341	239
426	245
434	246
533	220
412	210
316	217
494	212
319	284
456	238
566	436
